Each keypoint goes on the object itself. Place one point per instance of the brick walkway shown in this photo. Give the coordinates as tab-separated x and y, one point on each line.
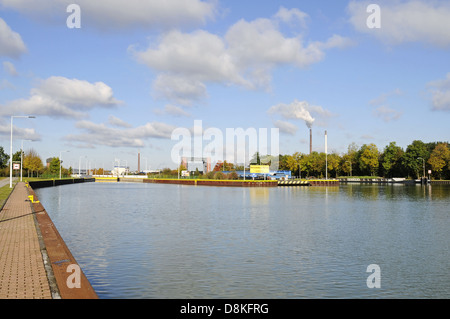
22	271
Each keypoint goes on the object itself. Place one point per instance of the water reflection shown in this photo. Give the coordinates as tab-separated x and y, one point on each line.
173	241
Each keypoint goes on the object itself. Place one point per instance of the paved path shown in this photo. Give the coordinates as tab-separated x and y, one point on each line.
5	181
22	271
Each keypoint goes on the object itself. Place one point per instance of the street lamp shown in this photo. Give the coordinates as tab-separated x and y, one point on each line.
60	163
11	154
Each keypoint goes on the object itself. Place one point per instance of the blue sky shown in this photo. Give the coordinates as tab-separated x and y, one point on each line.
136	70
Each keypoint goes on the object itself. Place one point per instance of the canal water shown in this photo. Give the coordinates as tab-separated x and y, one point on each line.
137	240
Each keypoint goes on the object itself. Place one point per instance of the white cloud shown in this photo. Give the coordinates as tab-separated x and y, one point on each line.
292	16
115	121
62	97
402	22
383	97
101	134
11	44
245	56
387	114
440	94
172	110
382	106
19	133
286	127
116	14
10	68
180	89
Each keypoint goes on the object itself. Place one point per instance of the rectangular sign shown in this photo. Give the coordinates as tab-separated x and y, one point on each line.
16	166
185	173
259	169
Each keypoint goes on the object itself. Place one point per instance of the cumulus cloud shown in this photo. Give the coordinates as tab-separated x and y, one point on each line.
62	97
102	134
406	21
19	133
11	43
440	94
118	14
245	56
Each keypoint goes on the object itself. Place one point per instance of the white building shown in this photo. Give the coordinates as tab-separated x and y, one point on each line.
120	170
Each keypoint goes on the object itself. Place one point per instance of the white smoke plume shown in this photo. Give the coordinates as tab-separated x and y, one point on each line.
296	110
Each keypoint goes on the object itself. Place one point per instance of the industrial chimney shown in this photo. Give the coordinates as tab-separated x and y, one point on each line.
310	141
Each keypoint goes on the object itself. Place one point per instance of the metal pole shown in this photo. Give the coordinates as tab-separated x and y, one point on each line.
11	155
326	157
10	149
21	161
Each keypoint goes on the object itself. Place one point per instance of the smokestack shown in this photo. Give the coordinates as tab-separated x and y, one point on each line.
310	140
139	162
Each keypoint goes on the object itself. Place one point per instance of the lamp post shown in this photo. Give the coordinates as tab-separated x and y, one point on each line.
60	163
11	154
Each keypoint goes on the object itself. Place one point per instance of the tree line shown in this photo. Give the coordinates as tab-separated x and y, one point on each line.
32	164
368	160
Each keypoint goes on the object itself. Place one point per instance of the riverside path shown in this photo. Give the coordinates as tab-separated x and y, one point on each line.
30	248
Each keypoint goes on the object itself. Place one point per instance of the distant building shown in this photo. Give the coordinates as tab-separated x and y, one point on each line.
203	165
120	170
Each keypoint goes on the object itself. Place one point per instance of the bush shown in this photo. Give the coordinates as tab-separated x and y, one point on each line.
233	175
219	175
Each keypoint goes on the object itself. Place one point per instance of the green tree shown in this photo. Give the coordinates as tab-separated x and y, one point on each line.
16	156
54	165
4	158
391	160
412	159
292	162
353	158
333	163
317	162
368	158
439	158
346	164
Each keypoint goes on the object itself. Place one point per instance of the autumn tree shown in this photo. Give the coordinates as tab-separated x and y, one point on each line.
368	158
32	162
333	160
439	158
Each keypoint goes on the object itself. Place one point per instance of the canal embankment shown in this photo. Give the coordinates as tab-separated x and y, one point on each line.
35	262
57	182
